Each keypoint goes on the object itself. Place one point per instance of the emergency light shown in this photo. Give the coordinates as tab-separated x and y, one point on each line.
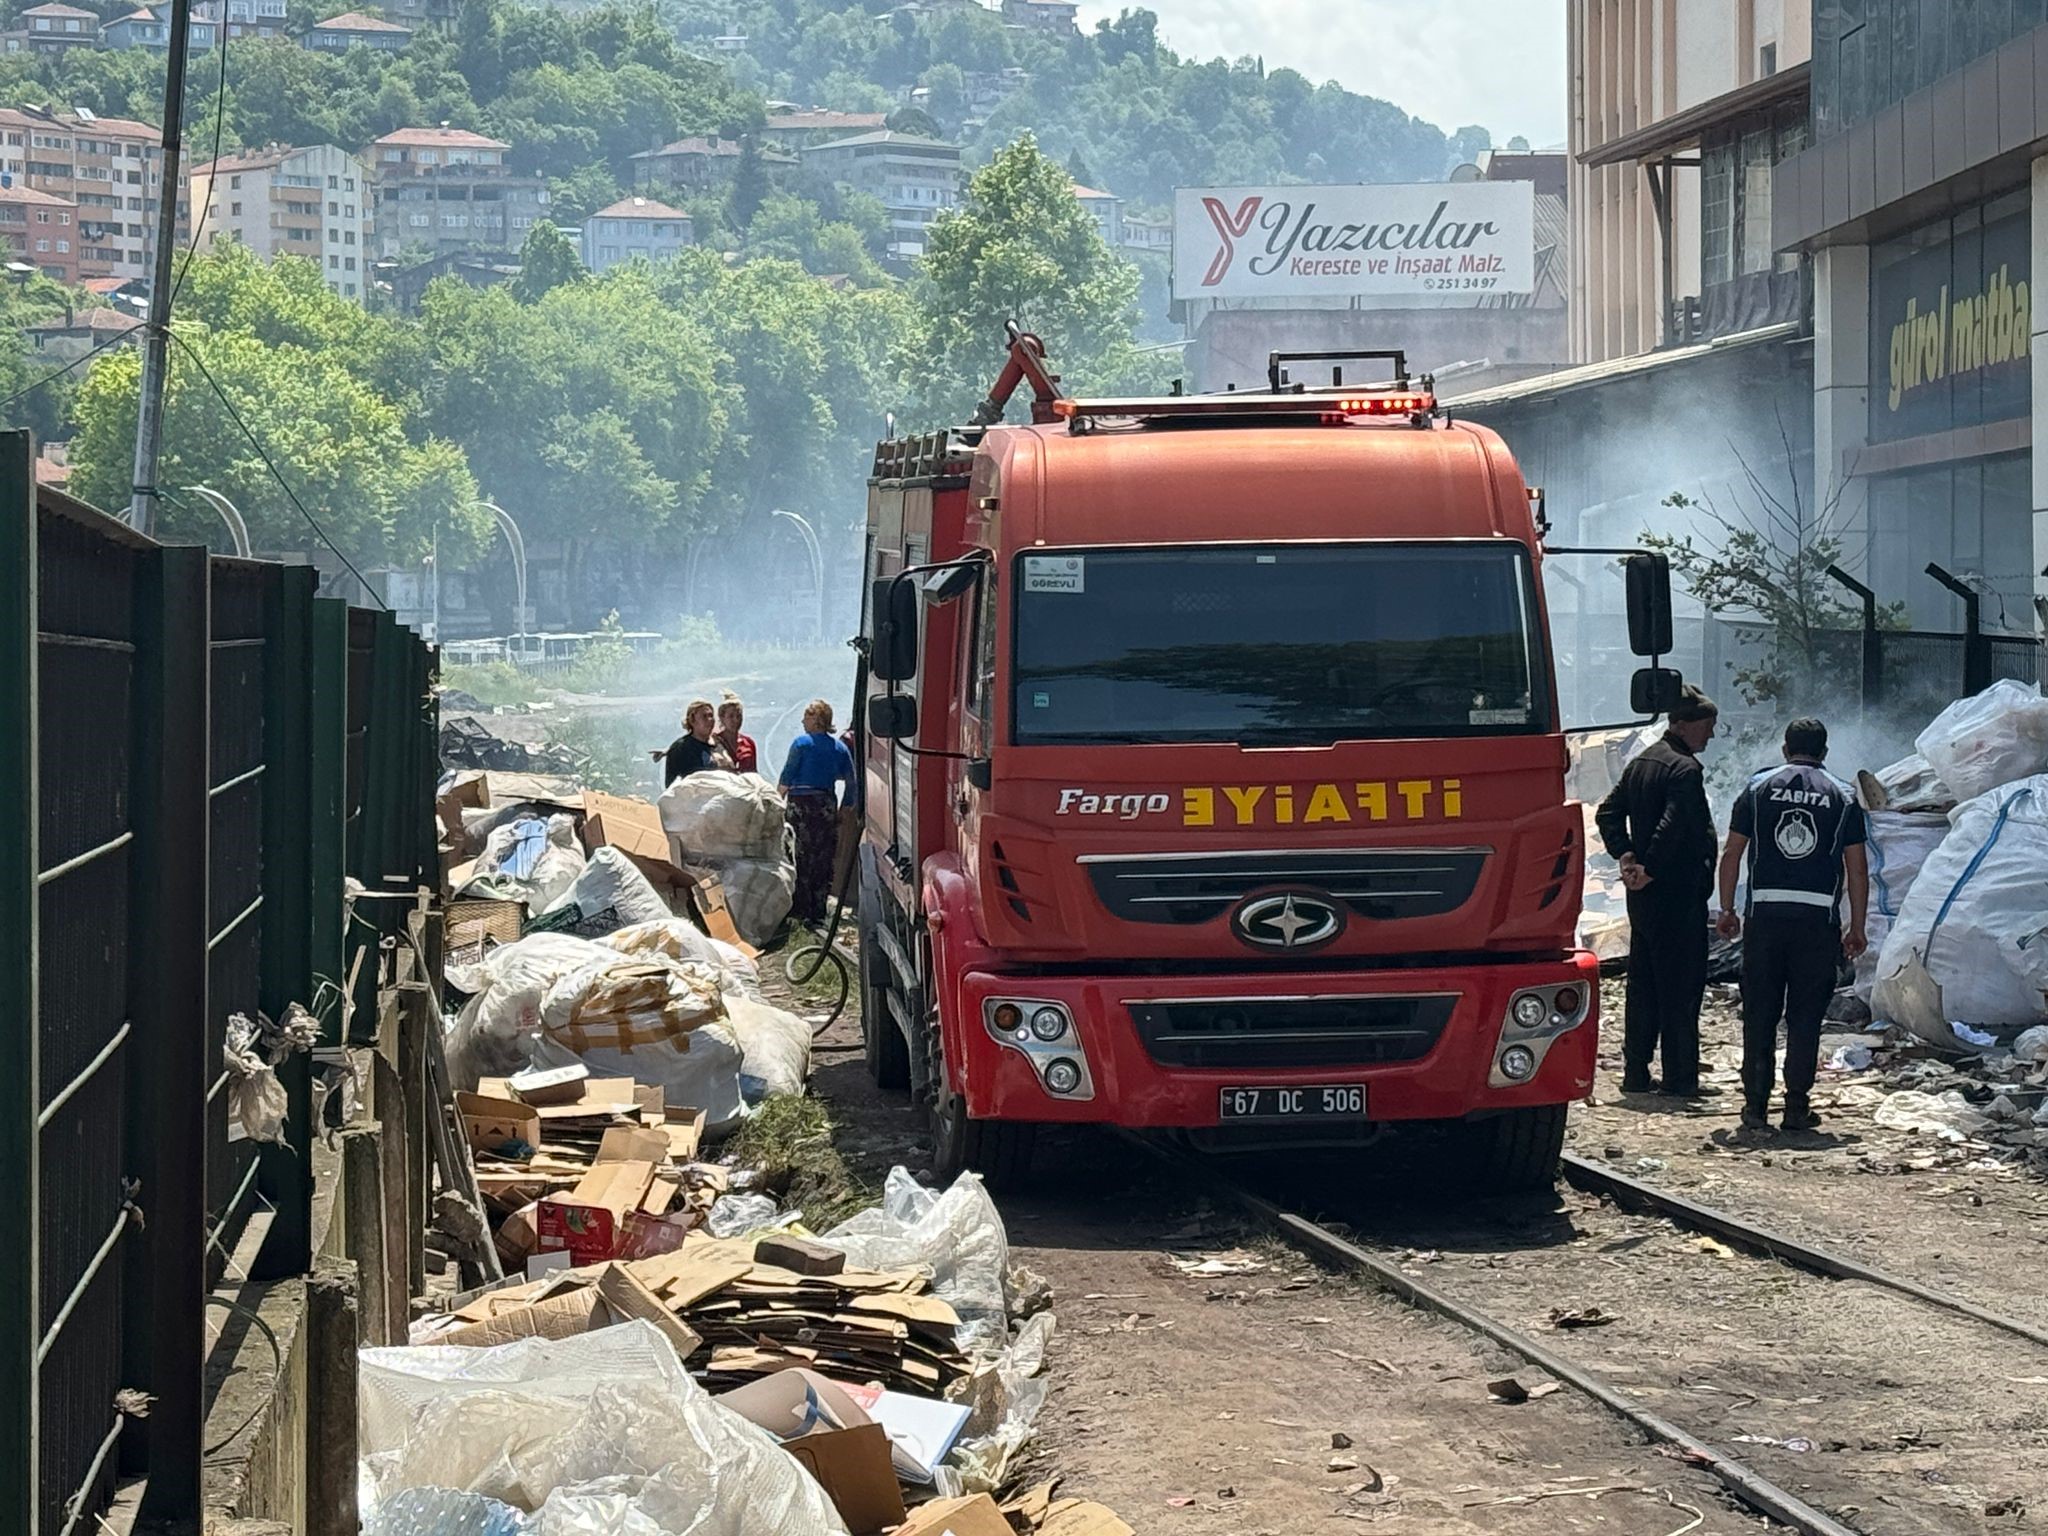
1331	407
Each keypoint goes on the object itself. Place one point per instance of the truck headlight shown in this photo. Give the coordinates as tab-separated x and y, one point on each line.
1049	1024
1517	1063
1530	1011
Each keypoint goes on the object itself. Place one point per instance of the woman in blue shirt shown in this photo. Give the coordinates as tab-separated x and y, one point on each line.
818	765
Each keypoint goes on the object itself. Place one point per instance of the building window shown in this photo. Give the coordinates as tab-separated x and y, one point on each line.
333	262
63	246
234	209
235	182
331	181
349	263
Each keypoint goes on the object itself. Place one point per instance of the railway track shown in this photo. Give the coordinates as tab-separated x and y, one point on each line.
1744	1482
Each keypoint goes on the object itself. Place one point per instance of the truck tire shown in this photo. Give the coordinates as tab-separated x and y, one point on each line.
1511	1153
882	1042
999	1150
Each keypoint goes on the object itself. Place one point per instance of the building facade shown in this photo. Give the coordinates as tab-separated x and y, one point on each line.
440	190
55	27
1061	18
800	129
112	168
634	227
151	29
244	18
1679	111
915	179
1923	202
352	29
312	202
40	230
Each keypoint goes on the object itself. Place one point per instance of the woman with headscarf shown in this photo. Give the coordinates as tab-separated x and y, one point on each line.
817	779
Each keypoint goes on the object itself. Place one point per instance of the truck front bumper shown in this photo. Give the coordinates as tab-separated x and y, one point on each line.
1429	1044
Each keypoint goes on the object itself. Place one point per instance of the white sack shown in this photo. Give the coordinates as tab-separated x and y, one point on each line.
560	861
775	1047
1988	739
724	816
496	1028
1898	845
589	1431
956	1236
611	882
758	894
1910	784
1976	919
680	939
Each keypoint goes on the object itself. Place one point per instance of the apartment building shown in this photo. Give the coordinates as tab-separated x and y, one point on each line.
1106	209
800	129
53	28
111	168
1060	18
41	231
1679	113
446	189
916	179
151	29
353	29
312	202
634	227
244	18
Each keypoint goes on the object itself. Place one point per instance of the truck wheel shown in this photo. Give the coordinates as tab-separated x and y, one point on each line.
1514	1152
887	1052
882	1042
998	1150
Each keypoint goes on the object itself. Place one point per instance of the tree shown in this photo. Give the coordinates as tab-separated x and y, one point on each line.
749	183
914	121
1020	248
546	261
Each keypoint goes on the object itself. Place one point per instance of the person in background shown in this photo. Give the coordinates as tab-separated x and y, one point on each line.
694	750
739	747
1802	833
818	766
1658	827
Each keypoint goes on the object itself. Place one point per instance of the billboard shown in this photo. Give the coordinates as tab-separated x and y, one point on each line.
1444	239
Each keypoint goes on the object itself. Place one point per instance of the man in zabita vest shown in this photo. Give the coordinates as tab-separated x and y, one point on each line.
1801	833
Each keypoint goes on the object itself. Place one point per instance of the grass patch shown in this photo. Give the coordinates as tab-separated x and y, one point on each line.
493	683
791	1143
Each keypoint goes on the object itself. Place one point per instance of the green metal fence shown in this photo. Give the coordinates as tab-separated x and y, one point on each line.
197	757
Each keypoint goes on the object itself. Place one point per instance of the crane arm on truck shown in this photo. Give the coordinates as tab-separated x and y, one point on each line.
1026	364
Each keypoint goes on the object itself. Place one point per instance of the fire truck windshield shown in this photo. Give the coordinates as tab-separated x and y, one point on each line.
1277	644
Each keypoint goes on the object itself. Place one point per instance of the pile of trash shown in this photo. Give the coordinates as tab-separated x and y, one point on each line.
1987	1109
766	1382
465	743
1959	874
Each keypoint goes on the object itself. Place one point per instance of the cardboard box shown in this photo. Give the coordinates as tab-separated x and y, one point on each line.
490	1123
468	793
634	828
563	1306
852	1466
549	1085
973	1516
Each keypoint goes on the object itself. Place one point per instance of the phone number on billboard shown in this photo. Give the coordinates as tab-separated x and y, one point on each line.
1456	284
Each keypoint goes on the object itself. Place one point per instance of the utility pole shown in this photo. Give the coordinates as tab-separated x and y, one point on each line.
156	335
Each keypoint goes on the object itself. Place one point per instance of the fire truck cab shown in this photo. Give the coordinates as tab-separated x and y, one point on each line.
1214	777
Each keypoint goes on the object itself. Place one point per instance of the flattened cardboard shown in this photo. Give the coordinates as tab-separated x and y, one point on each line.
1078	1517
544	789
597	1099
634	828
468	792
632	1143
489	1123
975	1515
852	1466
707	896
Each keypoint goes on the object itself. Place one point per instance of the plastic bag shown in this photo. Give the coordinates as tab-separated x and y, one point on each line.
2032	1046
611	883
1898	846
724	816
743	1215
680	939
657	1021
758	893
957	1236
775	1046
493	1033
1012	1391
1974	924
443	1512
603	1425
1909	785
1989	739
1949	1116
530	861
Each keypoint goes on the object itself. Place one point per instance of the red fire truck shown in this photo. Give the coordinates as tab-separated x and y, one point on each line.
1215	779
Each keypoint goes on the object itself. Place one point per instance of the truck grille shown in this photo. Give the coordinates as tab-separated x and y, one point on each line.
1380	884
1292	1031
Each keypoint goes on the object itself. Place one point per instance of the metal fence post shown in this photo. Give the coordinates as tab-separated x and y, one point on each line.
1976	644
327	810
287	958
168	966
19	1079
1872	652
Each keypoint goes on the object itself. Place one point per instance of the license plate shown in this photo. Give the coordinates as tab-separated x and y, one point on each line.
1339	1101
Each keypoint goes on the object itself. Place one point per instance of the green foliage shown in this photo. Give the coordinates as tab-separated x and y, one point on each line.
791	229
493	683
546	261
1020	248
749	183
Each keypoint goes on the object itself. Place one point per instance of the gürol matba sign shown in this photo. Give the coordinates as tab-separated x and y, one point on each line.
1452	239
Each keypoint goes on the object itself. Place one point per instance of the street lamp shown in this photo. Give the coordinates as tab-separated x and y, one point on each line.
518	543
810	538
238	531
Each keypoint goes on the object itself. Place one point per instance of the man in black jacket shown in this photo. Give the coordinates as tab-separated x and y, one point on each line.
1657	826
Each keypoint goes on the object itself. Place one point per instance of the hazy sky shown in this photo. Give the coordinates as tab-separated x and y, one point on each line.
1500	63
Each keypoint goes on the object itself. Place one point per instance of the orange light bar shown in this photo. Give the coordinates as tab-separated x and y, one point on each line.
1329	407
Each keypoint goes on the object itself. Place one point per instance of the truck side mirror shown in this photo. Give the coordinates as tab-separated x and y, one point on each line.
1649	605
893	655
892	716
1655	690
981	773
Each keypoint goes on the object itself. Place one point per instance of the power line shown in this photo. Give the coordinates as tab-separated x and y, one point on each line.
220	112
276	474
58	373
